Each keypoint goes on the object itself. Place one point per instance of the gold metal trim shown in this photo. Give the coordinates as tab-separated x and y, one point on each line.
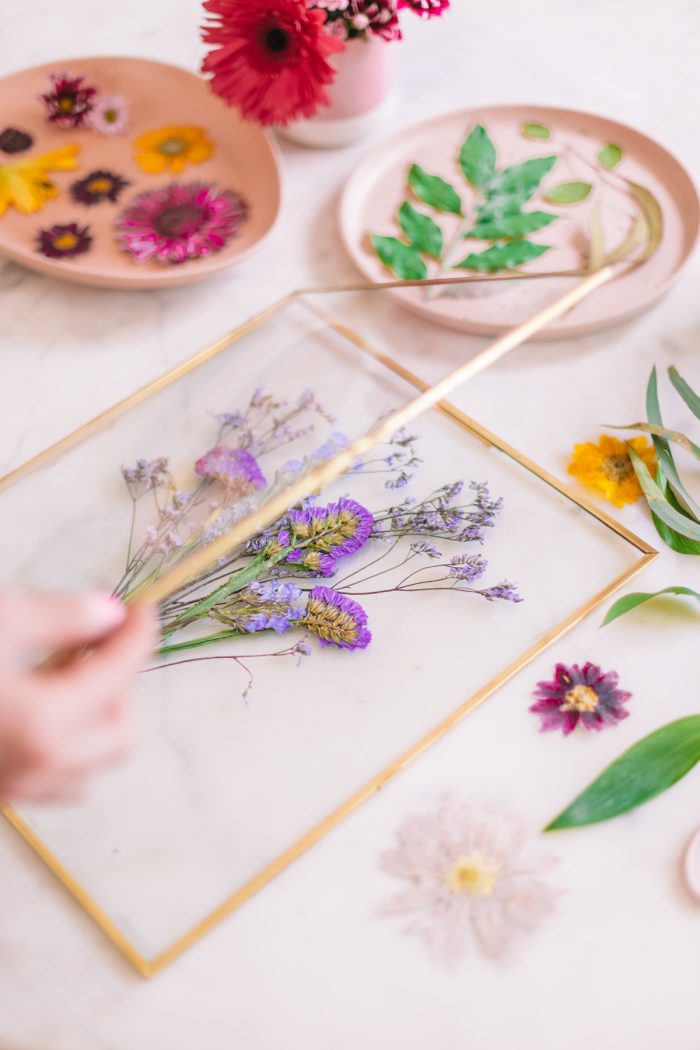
150	967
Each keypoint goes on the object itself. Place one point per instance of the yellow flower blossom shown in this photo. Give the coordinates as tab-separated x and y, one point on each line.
171	149
608	468
25	183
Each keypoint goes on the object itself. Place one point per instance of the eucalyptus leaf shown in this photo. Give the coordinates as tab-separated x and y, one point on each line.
636	235
657	500
511	226
433	190
686	391
420	230
477	158
400	258
533	130
633	601
671	435
645	770
503	256
667	465
568	192
673	539
610	155
519	182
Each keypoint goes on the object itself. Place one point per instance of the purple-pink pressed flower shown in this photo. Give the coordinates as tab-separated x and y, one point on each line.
580	694
336	619
69	101
230	464
471	871
64	241
180	222
98	186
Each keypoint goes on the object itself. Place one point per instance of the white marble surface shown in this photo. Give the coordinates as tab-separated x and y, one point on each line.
307	963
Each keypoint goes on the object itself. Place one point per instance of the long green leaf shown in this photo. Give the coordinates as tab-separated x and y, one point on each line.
511	226
648	768
423	232
502	256
398	257
433	190
633	601
667	465
673	539
686	391
519	182
657	500
477	158
568	192
663	432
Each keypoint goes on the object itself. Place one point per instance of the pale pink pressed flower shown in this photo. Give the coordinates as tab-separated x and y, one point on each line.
109	115
471	872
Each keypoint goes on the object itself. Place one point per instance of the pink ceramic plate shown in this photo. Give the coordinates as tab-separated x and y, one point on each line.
377	187
244	159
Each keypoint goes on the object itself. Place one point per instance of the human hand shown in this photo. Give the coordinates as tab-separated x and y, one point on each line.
59	724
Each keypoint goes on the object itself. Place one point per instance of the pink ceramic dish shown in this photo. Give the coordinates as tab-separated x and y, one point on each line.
244	159
378	185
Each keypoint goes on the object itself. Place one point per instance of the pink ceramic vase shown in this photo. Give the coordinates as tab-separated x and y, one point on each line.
360	96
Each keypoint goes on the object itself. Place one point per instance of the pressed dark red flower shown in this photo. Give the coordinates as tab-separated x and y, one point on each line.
269	58
14	141
64	241
69	101
98	186
580	694
425	8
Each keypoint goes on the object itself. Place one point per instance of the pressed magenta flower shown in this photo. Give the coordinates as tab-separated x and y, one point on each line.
336	619
64	241
69	101
230	464
98	186
180	222
580	694
470	872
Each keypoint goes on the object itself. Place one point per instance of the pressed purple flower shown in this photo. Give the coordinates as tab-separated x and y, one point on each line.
580	694
268	605
14	141
180	222
467	567
230	464
64	241
149	474
336	619
505	592
69	101
98	186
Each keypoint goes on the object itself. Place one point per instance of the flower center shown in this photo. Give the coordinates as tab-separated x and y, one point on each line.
65	241
276	40
99	185
474	874
580	698
65	103
111	116
173	146
618	468
182	220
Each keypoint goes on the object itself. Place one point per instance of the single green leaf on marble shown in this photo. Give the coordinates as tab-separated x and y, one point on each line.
423	232
433	190
648	768
400	258
673	539
610	155
519	182
503	256
633	601
477	158
686	391
534	130
511	226
568	192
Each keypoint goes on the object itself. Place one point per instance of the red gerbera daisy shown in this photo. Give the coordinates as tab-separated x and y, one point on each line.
269	57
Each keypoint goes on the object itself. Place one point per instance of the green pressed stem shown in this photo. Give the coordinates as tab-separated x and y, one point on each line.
196	643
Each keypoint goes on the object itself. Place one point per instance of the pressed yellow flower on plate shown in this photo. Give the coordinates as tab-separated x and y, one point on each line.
608	468
25	183
172	148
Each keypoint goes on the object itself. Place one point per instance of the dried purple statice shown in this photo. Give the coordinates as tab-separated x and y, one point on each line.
147	474
336	619
230	465
262	606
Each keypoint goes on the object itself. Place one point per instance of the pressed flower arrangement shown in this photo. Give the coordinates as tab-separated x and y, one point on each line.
293	578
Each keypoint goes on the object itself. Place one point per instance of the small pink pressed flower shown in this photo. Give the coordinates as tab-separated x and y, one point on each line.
109	115
470	873
580	694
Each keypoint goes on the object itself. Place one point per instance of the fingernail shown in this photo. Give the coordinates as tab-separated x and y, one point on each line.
104	610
